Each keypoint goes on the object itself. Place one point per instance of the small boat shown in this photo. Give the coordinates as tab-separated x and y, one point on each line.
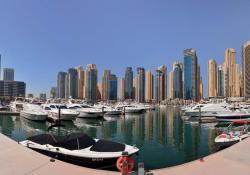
235	132
80	149
33	112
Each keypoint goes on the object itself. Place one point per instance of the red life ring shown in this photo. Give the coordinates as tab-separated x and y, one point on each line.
129	162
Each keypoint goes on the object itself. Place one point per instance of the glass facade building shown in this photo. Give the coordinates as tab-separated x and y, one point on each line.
12	89
61	84
220	82
190	75
91	83
140	85
128	83
8	74
72	83
112	87
177	80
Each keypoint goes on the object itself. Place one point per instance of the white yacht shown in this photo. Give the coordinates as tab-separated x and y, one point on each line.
86	111
237	115
66	114
109	109
17	104
33	112
130	108
208	110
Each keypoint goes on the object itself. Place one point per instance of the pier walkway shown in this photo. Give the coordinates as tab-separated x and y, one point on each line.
18	160
234	160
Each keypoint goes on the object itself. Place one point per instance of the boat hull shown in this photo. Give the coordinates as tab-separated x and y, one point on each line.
64	116
34	117
89	115
113	112
98	163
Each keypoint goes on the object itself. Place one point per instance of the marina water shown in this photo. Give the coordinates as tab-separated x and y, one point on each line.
163	136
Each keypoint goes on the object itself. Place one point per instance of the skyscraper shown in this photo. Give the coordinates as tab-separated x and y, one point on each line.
99	91
105	85
121	89
171	84
8	74
140	85
246	69
61	84
112	87
149	86
161	83
212	78
128	83
91	83
72	83
230	72
220	81
237	81
81	75
177	80
190	75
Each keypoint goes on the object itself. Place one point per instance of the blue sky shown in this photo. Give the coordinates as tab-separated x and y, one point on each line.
41	37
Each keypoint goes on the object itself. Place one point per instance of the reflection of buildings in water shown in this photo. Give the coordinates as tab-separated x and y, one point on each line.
149	126
109	129
6	125
139	128
88	126
161	123
126	129
191	141
175	128
211	136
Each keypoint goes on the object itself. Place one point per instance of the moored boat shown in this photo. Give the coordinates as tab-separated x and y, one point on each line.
80	149
33	112
233	134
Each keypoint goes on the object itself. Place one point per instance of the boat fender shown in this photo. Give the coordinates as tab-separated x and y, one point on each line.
125	164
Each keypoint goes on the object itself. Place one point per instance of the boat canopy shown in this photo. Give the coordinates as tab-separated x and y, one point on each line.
107	146
76	141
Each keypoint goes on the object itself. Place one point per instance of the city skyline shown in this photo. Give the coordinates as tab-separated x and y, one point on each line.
107	35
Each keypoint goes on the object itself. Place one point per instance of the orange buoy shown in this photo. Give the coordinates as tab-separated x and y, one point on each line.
125	164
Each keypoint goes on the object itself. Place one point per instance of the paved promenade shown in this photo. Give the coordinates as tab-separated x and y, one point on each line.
18	160
231	161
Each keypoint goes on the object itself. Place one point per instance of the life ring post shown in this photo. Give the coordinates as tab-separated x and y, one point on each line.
125	164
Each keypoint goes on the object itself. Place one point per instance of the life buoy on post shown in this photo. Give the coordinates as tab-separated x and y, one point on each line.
125	164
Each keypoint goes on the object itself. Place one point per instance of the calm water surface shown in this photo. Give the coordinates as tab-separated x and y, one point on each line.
163	137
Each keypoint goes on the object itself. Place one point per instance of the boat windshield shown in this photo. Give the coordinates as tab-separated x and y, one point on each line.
61	107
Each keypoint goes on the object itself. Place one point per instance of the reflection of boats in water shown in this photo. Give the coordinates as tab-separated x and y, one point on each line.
87	123
111	117
132	116
30	125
